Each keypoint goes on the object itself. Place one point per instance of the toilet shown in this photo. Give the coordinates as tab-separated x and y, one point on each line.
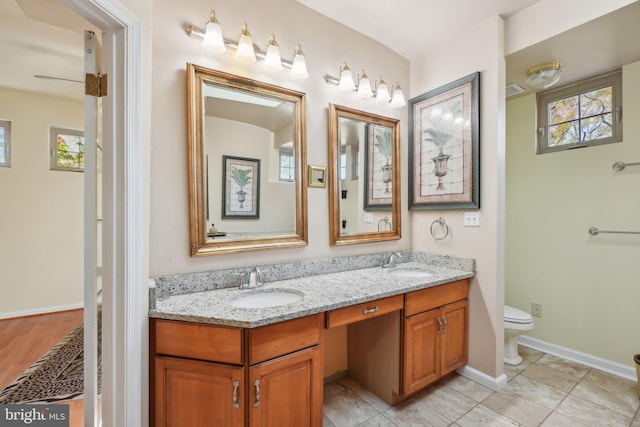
516	322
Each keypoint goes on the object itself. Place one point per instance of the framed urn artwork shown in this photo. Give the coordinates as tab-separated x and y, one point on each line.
241	188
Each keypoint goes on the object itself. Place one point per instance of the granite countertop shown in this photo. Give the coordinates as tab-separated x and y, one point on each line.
322	292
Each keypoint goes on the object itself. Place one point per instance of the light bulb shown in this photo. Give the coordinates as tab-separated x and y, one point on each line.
397	100
364	86
382	92
346	83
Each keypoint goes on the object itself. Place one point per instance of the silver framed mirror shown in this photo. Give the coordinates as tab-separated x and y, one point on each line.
247	164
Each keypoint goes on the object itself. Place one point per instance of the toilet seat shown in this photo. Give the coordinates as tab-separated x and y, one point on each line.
514	315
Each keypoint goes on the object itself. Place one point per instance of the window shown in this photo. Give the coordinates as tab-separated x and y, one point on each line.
67	149
580	115
343	164
287	166
5	143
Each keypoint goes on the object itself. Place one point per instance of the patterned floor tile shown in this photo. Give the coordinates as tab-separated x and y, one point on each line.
590	414
549	376
609	391
481	416
348	409
566	366
446	401
535	391
413	413
514	407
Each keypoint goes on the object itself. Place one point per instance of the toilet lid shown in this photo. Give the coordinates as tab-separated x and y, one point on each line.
512	314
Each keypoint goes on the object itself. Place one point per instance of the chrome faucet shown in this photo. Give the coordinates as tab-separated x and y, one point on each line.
255	279
391	260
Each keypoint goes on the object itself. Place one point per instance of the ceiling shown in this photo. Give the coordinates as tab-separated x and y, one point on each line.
42	37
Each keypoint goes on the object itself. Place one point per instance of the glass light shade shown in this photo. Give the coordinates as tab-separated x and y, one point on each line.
213	41
382	92
245	52
299	65
543	76
272	60
364	86
346	83
397	100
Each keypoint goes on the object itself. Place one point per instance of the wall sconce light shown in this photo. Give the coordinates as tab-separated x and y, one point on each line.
346	83
213	41
272	60
363	90
364	86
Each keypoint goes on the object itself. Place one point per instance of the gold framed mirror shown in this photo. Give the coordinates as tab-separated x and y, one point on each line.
364	177
247	157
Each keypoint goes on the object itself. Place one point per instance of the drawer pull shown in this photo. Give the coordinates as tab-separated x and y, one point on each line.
444	321
236	384
370	310
440	327
257	385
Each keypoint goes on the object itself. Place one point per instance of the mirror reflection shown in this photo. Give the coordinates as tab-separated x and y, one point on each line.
247	152
364	174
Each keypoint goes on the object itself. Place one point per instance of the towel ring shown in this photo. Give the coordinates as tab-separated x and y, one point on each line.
440	221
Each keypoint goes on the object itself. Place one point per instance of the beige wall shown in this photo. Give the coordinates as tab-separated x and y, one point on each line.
587	285
41	255
326	43
478	49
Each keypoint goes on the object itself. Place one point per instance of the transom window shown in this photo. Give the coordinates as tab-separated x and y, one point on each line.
580	115
67	149
5	143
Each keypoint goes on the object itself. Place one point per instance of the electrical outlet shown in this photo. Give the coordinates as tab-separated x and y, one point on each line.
472	219
368	217
536	309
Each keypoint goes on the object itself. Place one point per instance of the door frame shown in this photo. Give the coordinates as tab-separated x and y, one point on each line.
125	232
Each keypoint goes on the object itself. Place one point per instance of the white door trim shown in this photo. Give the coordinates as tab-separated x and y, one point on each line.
125	360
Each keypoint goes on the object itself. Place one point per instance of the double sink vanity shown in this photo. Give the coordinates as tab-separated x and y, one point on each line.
221	355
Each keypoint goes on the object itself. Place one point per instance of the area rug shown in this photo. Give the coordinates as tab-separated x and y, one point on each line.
56	376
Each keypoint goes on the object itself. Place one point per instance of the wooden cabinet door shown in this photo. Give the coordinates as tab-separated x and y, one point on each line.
287	391
421	351
454	338
191	393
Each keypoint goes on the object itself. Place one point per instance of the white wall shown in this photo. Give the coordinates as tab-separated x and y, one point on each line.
587	285
41	255
477	49
326	44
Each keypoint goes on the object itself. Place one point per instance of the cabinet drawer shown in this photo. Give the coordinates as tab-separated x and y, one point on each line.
275	340
198	341
437	296
366	310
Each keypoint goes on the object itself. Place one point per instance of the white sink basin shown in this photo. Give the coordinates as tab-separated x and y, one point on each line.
267	298
409	272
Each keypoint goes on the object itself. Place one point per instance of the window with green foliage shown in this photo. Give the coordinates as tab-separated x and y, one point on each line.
287	166
580	115
67	149
5	143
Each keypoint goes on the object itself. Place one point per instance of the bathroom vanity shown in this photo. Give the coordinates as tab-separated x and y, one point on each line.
215	364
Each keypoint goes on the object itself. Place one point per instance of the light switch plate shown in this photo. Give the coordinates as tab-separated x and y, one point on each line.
472	219
368	217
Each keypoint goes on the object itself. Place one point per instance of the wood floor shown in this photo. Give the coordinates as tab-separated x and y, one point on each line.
24	340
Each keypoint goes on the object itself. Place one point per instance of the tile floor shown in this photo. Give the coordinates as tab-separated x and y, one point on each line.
542	391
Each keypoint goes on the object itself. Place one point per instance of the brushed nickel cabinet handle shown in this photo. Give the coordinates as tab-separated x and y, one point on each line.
370	310
236	384
257	386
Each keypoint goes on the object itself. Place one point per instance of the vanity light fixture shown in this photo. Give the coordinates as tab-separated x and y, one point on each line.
245	51
543	76
272	60
299	66
382	92
363	90
364	86
213	41
397	100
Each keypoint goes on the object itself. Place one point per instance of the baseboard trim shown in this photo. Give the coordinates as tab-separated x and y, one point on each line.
336	376
605	365
38	311
495	384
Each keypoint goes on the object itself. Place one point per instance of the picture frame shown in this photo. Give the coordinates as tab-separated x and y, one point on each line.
240	188
317	176
444	146
378	167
